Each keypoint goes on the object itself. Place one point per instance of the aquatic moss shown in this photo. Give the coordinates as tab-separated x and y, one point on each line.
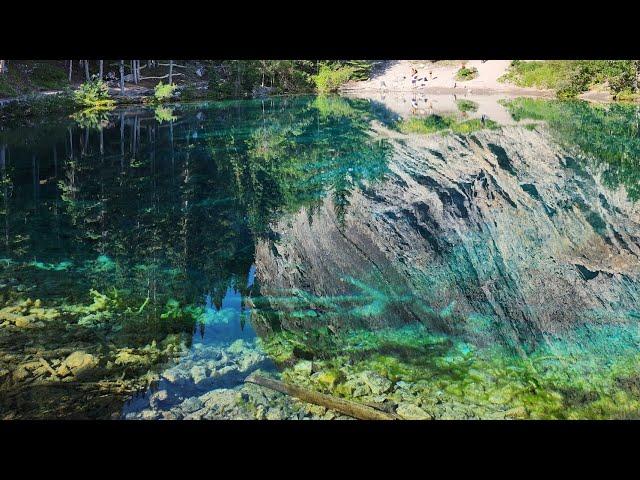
450	378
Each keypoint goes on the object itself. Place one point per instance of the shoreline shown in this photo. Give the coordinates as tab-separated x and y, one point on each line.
511	92
348	91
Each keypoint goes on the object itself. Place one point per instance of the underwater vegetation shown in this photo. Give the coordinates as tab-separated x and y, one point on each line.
427	375
76	360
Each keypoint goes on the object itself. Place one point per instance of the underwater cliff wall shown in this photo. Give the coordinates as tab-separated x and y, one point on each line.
499	235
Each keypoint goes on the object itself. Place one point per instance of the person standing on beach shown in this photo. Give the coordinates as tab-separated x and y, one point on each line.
414	75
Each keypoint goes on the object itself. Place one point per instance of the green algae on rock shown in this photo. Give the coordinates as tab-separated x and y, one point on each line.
457	380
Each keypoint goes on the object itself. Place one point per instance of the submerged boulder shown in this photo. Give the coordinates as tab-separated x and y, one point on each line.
303	367
198	373
127	357
376	382
409	411
79	363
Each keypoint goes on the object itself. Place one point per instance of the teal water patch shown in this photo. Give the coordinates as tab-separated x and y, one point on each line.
130	247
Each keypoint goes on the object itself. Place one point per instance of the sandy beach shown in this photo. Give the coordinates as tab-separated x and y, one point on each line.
439	77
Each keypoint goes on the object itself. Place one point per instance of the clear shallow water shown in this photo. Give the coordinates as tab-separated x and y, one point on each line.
434	264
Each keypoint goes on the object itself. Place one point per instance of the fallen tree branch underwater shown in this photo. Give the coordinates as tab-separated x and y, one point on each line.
346	407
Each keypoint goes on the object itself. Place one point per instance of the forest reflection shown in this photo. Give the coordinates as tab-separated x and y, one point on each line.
172	198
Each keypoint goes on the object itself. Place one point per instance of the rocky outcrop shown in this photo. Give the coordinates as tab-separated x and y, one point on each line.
496	235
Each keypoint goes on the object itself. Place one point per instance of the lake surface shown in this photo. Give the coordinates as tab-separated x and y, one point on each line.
433	257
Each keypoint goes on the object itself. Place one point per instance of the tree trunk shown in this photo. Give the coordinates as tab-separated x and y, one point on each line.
170	72
70	70
237	77
3	66
121	140
87	74
70	144
347	407
121	77
101	74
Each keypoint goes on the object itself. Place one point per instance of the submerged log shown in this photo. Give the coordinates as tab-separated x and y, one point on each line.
346	407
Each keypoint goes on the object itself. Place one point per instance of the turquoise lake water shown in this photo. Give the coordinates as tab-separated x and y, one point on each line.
443	264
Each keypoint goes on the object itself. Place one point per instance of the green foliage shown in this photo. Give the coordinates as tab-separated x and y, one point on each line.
335	106
608	136
569	78
92	118
425	125
627	96
330	79
437	123
467	106
163	92
6	89
93	94
540	74
29	77
48	76
239	78
164	114
36	108
475	124
465	74
361	69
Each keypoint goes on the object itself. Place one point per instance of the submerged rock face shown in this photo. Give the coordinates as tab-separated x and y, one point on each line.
498	235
